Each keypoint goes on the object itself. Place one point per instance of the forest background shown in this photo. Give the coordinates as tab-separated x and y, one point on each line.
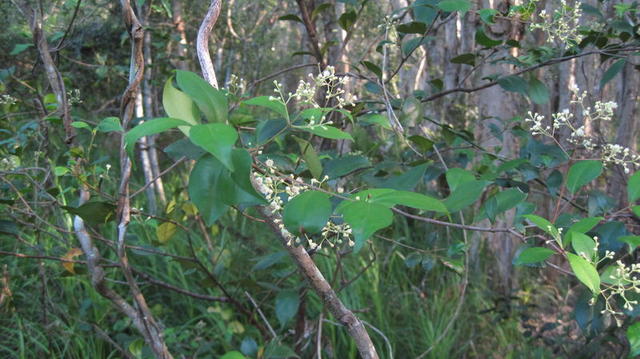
319	179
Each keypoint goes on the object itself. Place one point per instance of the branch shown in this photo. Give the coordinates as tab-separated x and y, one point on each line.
529	69
202	43
311	31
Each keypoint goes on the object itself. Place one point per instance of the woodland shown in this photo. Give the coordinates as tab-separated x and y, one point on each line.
317	179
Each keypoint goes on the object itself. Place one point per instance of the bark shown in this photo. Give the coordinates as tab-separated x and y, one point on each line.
178	22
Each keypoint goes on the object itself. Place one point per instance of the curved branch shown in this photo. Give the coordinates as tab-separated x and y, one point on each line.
202	43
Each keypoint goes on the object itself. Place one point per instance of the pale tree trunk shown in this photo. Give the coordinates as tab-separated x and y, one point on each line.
149	98
497	106
178	22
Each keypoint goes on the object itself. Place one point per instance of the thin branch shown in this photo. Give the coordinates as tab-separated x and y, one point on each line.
202	42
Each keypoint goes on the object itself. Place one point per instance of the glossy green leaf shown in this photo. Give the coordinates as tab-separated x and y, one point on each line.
212	102
217	139
365	218
538	91
147	128
94	212
178	105
275	105
345	165
414	27
110	124
457	176
213	188
454	5
533	255
233	355
328	132
633	187
502	202
486	41
632	241
633	335
611	72
543	224
467	59
465	195
310	157
586	224
307	213
581	173
513	83
390	197
582	244
585	272
287	303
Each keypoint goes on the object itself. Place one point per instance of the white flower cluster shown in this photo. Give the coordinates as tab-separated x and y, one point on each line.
272	186
338	232
326	80
601	111
7	99
9	163
73	96
236	85
562	25
624	279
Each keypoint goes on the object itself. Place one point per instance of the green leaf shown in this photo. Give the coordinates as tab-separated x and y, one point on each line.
389	197
328	132
582	244
633	187
94	212
233	355
80	124
457	176
275	105
414	27
110	124
212	102
585	272
632	241
465	195
310	157
217	138
633	335
347	20
533	255
365	218
586	224
373	68
149	128
178	105
537	91
581	173
454	5
410	45
543	224
345	165
486	41
165	232
60	171
487	15
291	17
287	303
467	59
307	213
19	48
213	188
502	202
513	84
611	72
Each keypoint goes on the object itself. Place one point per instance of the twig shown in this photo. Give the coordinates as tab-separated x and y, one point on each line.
202	41
262	316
